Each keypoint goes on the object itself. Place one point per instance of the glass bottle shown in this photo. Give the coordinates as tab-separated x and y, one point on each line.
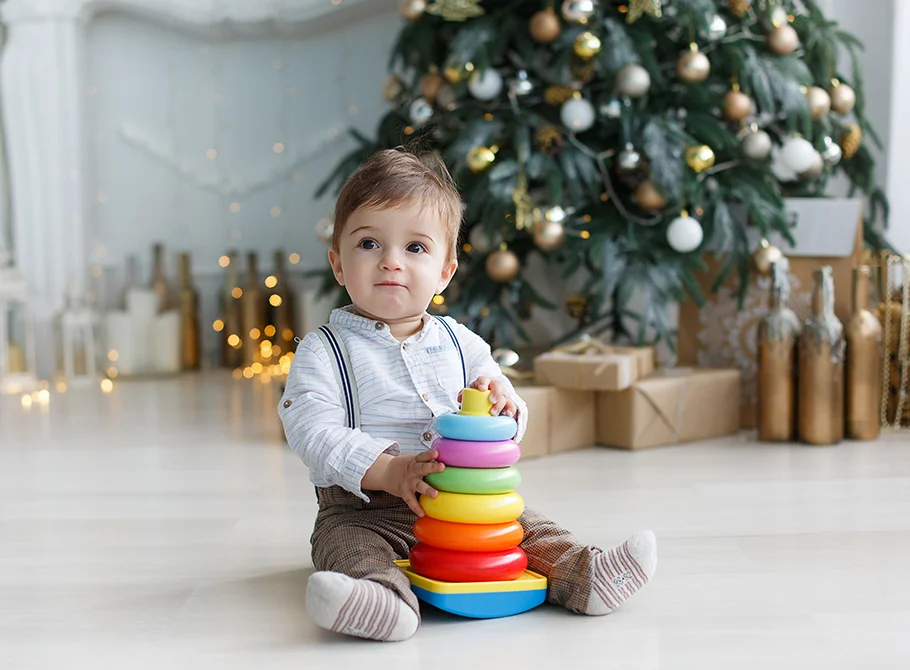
189	317
778	336
864	363
821	367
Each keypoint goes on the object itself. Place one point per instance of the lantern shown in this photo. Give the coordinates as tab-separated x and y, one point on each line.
17	330
77	343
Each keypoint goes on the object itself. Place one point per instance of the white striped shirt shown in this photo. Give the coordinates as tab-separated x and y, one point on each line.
402	386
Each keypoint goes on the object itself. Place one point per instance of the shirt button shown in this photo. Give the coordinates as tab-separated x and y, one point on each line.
427	437
287	403
425	397
404	347
379	325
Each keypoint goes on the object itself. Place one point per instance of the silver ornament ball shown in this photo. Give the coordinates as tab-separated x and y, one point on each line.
611	109
521	85
832	153
578	11
757	145
420	112
325	228
717	28
628	159
506	358
814	170
633	81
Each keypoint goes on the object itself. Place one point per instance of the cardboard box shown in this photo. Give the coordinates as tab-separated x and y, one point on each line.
828	231
679	405
614	369
558	420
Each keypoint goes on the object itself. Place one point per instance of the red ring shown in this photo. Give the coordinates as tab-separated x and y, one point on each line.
468	536
468	566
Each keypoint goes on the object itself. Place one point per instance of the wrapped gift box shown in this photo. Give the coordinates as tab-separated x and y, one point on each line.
672	406
558	420
591	365
723	333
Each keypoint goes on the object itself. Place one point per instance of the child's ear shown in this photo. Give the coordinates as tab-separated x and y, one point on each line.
335	262
448	271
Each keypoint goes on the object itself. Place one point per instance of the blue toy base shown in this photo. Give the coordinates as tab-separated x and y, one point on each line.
480	600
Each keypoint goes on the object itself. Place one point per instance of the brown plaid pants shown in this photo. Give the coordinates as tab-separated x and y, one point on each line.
362	540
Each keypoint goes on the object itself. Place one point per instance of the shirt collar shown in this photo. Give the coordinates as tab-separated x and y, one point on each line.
347	318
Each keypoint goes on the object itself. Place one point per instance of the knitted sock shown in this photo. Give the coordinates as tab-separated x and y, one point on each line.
359	607
620	572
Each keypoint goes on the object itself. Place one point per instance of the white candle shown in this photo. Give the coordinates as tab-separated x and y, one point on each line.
165	342
119	337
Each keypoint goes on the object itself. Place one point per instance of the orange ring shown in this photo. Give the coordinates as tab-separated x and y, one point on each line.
468	536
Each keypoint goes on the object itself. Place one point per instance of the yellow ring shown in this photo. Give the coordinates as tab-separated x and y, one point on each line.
468	508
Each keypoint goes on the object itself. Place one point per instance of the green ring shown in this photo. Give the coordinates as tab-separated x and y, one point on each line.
478	481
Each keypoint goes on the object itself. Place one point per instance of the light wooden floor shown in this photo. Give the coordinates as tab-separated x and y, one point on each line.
167	524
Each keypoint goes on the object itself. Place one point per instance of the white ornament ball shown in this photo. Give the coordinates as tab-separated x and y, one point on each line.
798	154
757	145
577	114
684	234
485	85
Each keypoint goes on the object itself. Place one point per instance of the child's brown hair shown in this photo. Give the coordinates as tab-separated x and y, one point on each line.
396	177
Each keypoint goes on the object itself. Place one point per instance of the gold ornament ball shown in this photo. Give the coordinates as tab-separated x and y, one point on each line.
739	7
851	140
763	257
783	40
587	45
503	266
430	84
393	88
737	106
819	102
843	99
544	26
649	198
456	74
693	67
480	158
549	235
699	158
578	11
412	9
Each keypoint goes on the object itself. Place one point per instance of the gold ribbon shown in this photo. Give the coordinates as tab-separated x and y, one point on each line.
588	346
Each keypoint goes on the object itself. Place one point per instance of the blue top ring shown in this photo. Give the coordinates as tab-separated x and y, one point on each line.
477	428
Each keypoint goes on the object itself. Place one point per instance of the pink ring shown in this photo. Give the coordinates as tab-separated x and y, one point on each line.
463	454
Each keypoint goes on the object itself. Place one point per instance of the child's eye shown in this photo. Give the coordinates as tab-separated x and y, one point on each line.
368	244
416	248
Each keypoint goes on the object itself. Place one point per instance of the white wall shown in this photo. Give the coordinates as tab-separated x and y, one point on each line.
180	121
899	159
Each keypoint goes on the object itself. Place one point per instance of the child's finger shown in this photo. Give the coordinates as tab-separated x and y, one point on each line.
411	500
481	384
425	489
430	468
427	456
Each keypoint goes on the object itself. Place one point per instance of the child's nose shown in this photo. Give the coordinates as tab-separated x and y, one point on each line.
391	260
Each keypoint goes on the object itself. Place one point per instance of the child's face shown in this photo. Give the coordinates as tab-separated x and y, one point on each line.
392	261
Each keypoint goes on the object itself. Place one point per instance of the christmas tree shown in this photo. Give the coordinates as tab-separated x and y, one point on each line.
621	140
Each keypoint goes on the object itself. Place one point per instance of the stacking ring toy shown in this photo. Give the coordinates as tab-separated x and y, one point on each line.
476	428
468	536
476	481
466	508
477	454
464	566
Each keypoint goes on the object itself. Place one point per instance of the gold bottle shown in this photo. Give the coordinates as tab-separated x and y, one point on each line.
253	312
778	336
159	282
864	363
283	316
231	316
821	367
189	317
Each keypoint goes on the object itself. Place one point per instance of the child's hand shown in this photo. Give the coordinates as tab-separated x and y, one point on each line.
502	404
403	477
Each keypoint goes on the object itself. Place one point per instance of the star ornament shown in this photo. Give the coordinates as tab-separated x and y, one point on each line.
637	8
456	10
